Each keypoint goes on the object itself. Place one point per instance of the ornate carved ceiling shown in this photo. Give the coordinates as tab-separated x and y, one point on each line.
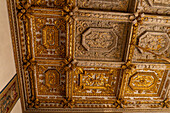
92	55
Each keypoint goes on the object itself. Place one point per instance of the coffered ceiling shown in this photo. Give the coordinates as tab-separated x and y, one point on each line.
92	55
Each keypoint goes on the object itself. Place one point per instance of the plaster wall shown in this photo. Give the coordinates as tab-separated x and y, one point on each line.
7	65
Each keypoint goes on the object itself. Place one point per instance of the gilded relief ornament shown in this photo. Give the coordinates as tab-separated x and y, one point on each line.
165	103
68	103
95	82
22	8
119	103
50	37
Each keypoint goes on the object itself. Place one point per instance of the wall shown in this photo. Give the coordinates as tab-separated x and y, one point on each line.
17	107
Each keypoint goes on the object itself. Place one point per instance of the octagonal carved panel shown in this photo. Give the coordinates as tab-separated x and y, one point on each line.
52	78
146	83
154	41
154	36
50	37
143	80
98	39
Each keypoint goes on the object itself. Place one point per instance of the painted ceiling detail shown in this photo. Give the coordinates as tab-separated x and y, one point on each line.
92	55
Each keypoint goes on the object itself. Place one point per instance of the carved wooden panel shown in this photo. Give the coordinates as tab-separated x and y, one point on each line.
100	39
153	35
146	83
50	36
50	80
92	55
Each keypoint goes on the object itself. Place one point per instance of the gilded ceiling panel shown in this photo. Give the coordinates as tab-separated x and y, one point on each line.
92	55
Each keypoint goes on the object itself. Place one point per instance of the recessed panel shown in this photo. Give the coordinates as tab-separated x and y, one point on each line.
103	40
50	36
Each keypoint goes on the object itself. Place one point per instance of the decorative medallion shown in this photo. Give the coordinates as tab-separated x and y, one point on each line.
50	37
